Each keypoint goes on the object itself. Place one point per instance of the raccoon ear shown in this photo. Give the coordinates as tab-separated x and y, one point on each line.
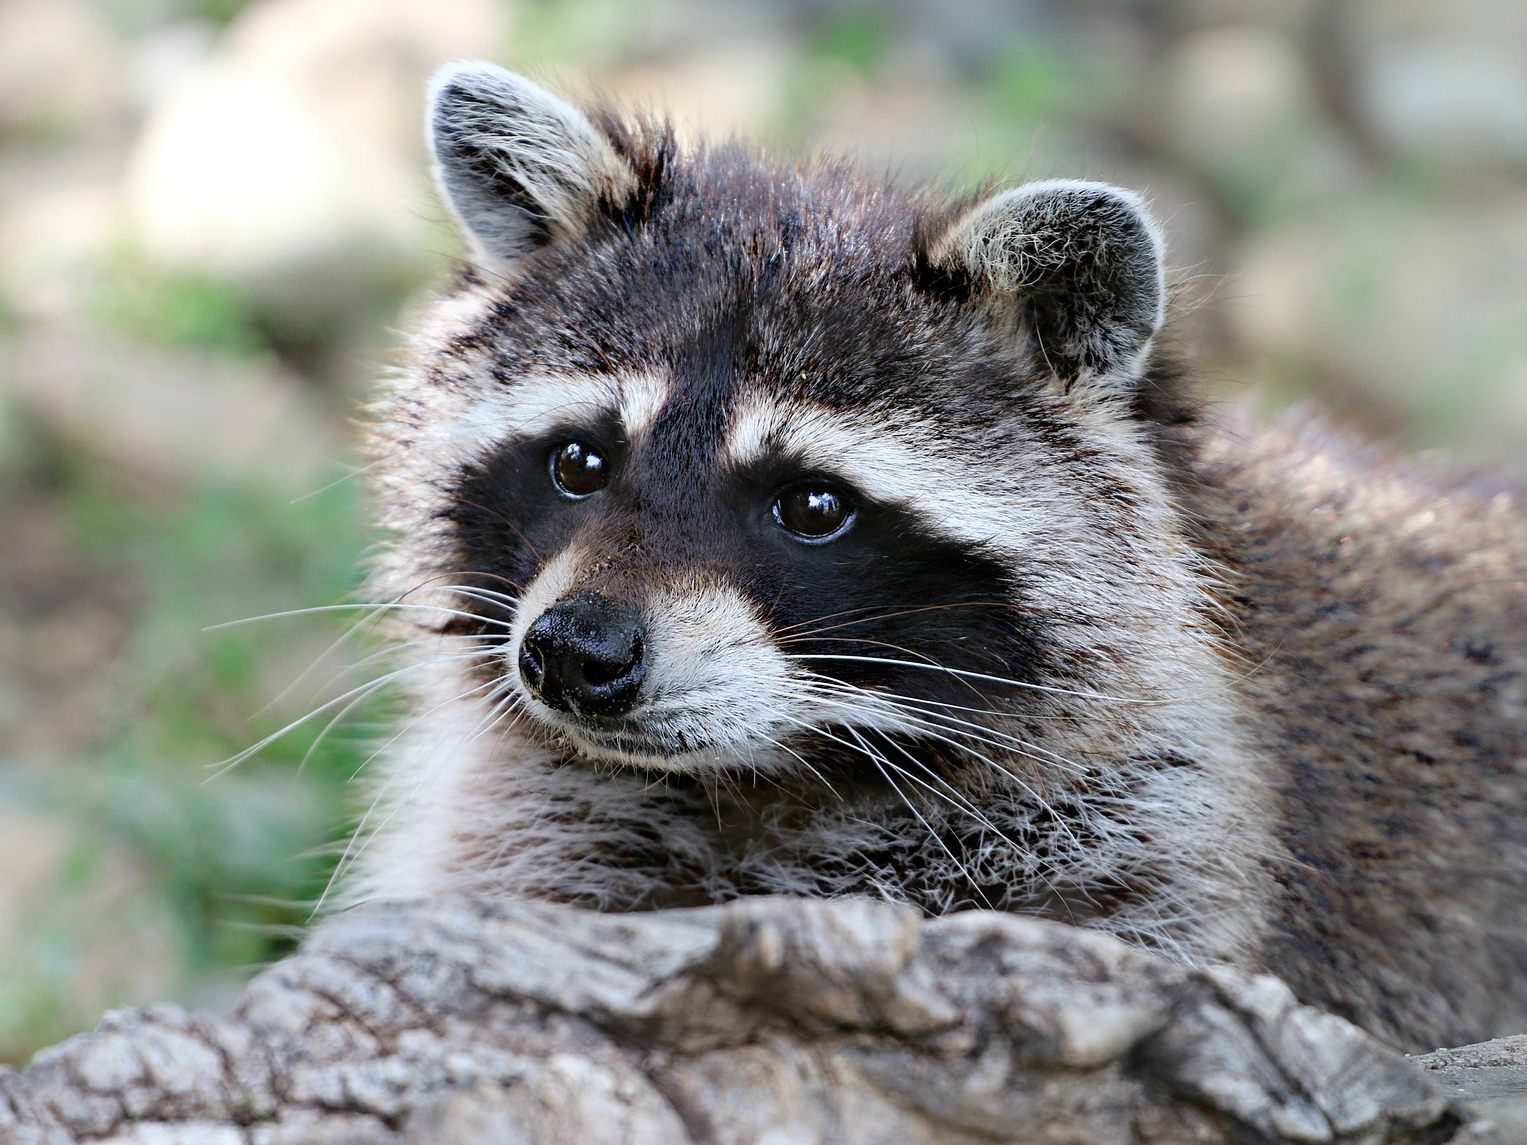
518	165
1079	265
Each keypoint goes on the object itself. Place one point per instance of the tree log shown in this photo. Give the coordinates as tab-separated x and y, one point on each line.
766	1020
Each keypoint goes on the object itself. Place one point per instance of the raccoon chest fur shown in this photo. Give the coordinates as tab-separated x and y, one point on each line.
763	527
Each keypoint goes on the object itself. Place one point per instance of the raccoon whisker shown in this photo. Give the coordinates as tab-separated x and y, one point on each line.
476	594
329	727
815	730
493	594
985	822
812	768
337	482
225	765
502	708
353	629
514	584
1005	739
415	720
928	661
1076	614
903	698
383	654
951	793
818	619
374	610
886	767
900	698
343	637
503	600
362	836
979	732
758	775
897	701
1027	787
934	732
791	634
373	607
713	792
222	767
1049	688
445	582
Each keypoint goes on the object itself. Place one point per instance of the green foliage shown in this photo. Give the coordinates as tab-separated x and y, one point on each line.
551	31
223	862
138	15
1035	86
856	36
177	309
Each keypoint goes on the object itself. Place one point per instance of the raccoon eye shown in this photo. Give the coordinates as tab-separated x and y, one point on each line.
578	469
814	513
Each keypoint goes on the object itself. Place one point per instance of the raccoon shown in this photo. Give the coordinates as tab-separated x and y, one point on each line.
765	527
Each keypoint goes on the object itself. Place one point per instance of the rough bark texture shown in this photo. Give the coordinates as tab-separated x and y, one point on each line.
770	1020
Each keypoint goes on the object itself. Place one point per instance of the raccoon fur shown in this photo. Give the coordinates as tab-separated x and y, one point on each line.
766	527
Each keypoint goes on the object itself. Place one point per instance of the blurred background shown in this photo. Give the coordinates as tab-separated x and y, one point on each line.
214	212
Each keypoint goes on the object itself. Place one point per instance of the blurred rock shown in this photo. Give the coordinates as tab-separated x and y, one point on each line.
1237	98
58	72
1464	101
903	129
290	162
1286	14
717	90
1414	309
1447	81
58	217
173	415
161	56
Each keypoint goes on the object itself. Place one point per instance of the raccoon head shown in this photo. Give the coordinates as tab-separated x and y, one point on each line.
741	463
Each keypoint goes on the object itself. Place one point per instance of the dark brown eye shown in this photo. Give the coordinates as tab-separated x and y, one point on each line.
816	512
578	469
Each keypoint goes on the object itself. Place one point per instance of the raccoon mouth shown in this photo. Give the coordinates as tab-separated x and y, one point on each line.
634	742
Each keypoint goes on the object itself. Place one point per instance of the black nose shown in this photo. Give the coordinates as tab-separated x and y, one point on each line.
585	655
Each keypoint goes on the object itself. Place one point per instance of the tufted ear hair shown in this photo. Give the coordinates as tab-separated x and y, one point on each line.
1077	265
518	166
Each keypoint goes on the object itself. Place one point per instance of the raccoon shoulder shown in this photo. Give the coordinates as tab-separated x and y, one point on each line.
1381	607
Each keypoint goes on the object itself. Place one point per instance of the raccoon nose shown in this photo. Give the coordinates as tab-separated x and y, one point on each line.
585	655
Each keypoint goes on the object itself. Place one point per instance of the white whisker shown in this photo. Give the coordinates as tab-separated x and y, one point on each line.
1032	792
1050	688
363	833
362	691
375	608
978	733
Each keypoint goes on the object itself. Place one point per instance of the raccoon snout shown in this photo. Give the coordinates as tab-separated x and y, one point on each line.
585	655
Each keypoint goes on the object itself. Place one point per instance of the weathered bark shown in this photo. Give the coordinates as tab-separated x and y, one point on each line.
1490	1079
768	1020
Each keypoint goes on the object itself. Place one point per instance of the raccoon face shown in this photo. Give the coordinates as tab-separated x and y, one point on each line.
752	463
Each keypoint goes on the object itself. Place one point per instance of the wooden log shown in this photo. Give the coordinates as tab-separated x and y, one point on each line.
767	1020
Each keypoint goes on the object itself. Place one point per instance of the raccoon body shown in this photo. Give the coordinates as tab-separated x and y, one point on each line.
766	528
